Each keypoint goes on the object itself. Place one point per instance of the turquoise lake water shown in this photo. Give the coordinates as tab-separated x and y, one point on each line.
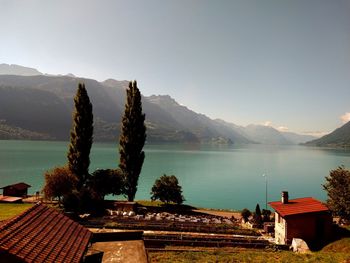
211	176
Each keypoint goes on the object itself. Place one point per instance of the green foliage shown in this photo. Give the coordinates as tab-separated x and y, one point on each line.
167	189
257	215
81	136
59	182
338	190
10	210
246	214
245	255
266	213
106	181
132	140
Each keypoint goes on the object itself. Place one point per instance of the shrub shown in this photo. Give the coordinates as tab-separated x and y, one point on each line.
106	181
59	182
167	189
246	214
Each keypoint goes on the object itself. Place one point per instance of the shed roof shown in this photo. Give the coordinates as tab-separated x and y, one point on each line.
18	186
298	206
9	199
42	234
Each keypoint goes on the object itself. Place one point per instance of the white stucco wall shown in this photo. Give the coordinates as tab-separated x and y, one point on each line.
280	229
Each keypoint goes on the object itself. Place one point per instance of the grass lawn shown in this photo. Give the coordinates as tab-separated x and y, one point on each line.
247	255
155	203
10	210
342	245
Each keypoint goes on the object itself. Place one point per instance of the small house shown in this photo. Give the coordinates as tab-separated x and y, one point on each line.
305	218
18	190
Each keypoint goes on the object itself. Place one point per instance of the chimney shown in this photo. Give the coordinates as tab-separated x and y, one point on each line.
284	197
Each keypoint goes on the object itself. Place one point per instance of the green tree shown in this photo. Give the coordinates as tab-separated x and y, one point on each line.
266	213
132	140
167	189
59	182
246	214
257	215
106	181
81	136
338	190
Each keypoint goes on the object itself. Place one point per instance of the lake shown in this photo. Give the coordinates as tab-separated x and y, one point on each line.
211	176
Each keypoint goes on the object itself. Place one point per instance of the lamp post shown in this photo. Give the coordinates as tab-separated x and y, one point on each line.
264	175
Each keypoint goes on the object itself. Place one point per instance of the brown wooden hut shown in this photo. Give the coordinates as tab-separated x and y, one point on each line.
18	190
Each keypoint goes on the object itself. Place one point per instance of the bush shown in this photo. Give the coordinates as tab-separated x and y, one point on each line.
167	189
246	214
338	190
266	213
59	182
106	181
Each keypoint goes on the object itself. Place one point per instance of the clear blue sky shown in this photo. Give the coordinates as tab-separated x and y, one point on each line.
281	61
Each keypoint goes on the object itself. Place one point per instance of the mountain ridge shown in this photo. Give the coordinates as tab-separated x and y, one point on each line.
42	105
340	137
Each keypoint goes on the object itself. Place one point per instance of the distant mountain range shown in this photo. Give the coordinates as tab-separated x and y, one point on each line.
38	106
338	138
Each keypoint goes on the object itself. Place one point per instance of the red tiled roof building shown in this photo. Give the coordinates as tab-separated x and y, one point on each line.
42	234
305	218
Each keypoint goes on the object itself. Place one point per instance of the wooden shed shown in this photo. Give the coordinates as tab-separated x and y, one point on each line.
18	190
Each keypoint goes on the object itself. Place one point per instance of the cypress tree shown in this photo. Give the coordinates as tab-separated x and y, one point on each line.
81	136
257	215
132	139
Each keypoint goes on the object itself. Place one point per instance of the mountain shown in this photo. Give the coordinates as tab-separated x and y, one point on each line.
296	138
265	135
11	132
202	127
6	69
40	107
338	138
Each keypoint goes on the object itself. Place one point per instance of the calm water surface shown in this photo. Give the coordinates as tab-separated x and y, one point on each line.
211	176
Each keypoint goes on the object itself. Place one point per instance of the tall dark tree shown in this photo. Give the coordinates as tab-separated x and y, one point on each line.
81	136
257	215
338	190
132	139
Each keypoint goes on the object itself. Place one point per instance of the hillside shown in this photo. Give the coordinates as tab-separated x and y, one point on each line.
40	107
338	138
43	105
6	69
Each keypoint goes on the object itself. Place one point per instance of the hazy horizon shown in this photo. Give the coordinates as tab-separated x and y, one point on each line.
284	64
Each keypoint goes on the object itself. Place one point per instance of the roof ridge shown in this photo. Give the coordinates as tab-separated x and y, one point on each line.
15	184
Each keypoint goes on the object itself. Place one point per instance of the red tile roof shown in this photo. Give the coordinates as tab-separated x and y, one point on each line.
18	186
298	206
42	234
